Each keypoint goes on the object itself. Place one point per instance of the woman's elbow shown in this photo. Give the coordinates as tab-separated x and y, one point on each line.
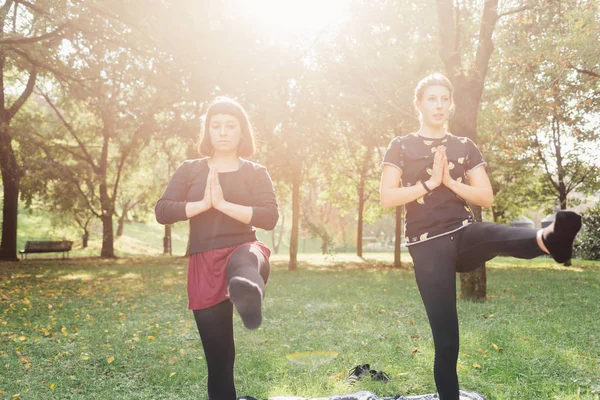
385	200
264	219
272	221
159	215
488	200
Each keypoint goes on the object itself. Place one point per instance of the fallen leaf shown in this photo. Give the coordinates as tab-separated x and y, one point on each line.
171	374
336	377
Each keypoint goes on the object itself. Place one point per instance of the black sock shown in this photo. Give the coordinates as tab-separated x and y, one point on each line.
247	299
560	235
247	273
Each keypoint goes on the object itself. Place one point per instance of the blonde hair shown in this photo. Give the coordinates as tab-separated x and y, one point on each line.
435	79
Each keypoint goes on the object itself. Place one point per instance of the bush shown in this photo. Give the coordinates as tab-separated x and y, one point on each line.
590	235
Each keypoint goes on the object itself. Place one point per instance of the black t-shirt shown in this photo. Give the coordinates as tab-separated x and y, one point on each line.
441	211
249	186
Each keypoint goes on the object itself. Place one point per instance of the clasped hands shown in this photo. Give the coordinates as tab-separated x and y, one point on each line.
440	170
213	193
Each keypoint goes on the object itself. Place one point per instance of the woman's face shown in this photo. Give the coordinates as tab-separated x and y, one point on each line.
435	106
225	133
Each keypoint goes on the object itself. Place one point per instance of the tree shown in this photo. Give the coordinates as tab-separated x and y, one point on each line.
467	69
373	63
590	241
27	38
105	123
37	40
556	103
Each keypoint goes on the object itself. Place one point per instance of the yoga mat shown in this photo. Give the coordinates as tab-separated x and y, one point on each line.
365	395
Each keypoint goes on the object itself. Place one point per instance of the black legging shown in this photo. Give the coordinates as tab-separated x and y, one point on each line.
436	262
215	324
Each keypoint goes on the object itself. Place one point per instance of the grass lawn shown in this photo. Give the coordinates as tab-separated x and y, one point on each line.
120	329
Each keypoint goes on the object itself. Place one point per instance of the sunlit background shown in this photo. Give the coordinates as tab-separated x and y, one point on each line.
122	87
298	18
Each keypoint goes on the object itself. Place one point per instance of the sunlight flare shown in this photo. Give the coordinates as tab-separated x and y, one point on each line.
295	17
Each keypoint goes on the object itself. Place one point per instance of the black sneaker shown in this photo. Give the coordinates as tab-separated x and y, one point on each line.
379	376
357	373
560	235
246	296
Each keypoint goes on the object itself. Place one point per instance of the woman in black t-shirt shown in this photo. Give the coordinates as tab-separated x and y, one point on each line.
224	197
437	175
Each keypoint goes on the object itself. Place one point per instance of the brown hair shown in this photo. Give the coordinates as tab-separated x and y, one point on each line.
228	106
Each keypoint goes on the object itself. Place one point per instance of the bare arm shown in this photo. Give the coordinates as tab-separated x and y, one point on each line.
479	192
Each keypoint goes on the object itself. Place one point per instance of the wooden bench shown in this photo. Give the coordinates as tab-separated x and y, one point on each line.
63	246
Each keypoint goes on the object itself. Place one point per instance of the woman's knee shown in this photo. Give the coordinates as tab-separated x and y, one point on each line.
447	347
248	259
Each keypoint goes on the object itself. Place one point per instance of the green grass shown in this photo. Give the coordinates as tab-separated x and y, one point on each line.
139	238
63	321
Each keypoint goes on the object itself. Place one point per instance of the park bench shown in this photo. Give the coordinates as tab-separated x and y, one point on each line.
62	246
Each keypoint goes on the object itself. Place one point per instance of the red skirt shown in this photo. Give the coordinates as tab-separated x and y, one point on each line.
207	275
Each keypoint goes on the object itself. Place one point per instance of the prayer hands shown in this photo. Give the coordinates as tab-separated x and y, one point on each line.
446	177
208	193
439	166
216	192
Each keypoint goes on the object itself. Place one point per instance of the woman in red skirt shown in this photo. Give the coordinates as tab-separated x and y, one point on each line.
225	197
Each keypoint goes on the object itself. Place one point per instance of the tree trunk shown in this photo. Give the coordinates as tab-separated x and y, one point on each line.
359	227
120	225
277	241
9	169
398	241
563	206
562	194
473	285
468	87
11	178
84	239
274	243
108	250
497	214
324	245
296	181
167	247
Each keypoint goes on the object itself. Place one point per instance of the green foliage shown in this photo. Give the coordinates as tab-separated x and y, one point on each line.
543	68
590	235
